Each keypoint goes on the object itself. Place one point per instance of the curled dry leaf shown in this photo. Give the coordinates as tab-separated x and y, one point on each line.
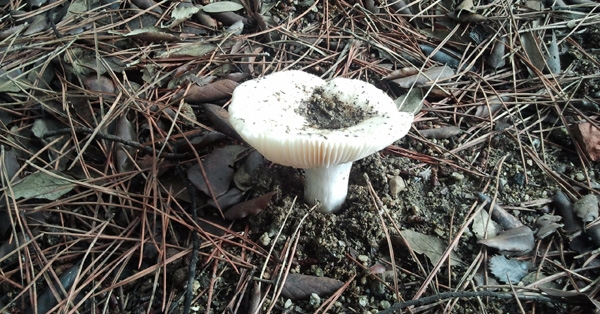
218	90
499	214
230	198
243	176
152	34
229	18
515	242
548	224
588	137
10	165
440	133
553	59
145	4
404	72
432	247
447	57
564	208
483	225
508	270
102	84
220	121
125	153
586	208
205	19
496	58
252	207
298	286
218	167
431	75
492	106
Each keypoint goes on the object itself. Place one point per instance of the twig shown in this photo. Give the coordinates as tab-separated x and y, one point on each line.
108	137
195	243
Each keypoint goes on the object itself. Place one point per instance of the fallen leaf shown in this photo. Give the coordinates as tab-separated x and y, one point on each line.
230	198
432	247
483	225
431	75
589	137
252	207
222	6
47	299
219	118
218	90
586	208
441	133
152	34
43	185
182	12
515	242
243	177
508	270
564	208
499	214
497	59
553	58
218	166
411	102
298	286
491	106
547	225
125	153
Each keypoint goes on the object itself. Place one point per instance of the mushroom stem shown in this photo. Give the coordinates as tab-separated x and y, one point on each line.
327	185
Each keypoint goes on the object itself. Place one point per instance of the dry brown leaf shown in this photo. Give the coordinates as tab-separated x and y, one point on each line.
298	286
252	207
404	72
125	131
218	90
431	75
219	118
102	84
564	207
589	137
440	133
586	208
218	166
516	242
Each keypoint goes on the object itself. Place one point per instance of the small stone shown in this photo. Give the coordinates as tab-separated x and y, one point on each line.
579	176
363	258
363	300
288	303
264	239
315	300
458	176
397	185
385	304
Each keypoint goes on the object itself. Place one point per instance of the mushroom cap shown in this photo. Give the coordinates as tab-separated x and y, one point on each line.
267	113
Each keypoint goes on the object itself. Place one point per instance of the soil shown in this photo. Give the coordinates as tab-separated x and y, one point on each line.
139	261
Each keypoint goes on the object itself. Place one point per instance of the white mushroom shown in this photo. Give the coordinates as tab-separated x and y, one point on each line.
297	119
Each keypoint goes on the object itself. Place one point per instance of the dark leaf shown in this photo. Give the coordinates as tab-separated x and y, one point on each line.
517	242
252	207
243	177
496	59
145	4
214	91
298	287
47	299
564	208
220	120
219	172
230	198
508	270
